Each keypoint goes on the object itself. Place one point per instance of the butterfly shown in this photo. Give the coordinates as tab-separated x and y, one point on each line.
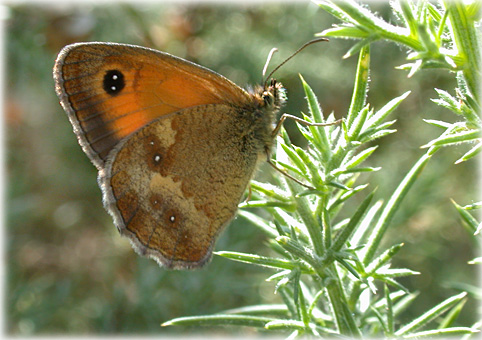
175	144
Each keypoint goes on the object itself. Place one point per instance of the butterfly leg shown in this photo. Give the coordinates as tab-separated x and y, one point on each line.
276	131
288	175
250	193
268	155
299	120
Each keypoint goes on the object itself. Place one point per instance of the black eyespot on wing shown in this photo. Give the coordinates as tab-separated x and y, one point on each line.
113	82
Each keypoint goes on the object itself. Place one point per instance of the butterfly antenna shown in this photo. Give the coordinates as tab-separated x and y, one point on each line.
311	42
270	55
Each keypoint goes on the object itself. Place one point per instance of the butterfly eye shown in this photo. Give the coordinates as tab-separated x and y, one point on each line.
268	98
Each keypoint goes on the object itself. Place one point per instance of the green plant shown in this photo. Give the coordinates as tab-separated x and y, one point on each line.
332	273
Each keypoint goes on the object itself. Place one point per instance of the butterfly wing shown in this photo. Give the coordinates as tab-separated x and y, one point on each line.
174	143
174	184
111	90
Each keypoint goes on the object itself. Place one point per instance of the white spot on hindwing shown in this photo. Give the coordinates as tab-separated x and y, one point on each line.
171	192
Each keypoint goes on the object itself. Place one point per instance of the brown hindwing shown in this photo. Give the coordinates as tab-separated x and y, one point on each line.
175	184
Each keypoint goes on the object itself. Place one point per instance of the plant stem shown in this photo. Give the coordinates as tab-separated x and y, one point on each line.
465	37
378	26
392	206
305	211
343	316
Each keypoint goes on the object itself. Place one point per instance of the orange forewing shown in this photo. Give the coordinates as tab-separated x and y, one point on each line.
156	84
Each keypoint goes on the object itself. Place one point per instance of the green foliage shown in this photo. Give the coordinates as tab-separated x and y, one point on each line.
443	36
334	275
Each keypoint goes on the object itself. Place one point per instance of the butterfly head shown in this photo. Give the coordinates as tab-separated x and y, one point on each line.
274	94
269	97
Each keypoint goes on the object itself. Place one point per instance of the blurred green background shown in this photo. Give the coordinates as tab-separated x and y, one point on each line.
69	272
